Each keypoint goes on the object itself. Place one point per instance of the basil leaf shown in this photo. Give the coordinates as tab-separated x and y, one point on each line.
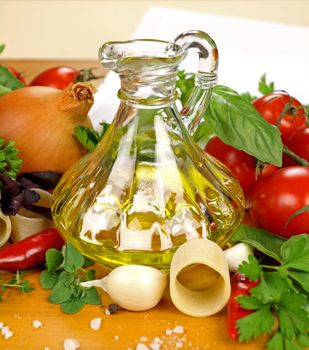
261	240
202	134
240	125
295	253
8	80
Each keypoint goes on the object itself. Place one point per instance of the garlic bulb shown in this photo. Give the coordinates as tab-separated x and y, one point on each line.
237	254
133	287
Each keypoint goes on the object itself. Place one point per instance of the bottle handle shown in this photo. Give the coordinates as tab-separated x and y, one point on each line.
206	77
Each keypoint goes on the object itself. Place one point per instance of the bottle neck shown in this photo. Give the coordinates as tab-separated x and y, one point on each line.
149	87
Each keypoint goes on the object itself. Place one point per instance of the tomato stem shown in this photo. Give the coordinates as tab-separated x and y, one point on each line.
86	75
295	157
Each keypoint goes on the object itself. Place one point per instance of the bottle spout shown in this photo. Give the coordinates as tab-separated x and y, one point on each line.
206	77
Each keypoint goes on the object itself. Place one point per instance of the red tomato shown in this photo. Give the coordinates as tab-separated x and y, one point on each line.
271	107
277	197
15	72
57	77
241	164
298	142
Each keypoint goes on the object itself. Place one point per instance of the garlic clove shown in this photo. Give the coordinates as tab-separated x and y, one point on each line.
237	254
133	287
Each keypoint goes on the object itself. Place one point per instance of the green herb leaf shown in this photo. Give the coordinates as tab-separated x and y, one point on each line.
54	259
202	134
4	90
2	47
73	259
301	277
248	97
91	296
8	80
25	286
266	88
65	271
10	163
60	293
271	288
259	322
66	277
89	137
295	252
239	124
48	279
251	268
88	261
291	321
261	240
89	275
72	305
303	340
276	342
249	302
15	282
185	84
289	344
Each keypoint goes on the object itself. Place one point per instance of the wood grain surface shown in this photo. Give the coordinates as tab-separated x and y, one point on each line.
121	331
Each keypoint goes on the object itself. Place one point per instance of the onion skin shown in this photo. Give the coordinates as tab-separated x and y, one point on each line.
41	121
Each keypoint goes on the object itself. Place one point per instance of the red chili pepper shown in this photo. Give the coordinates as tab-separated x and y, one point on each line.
240	286
29	252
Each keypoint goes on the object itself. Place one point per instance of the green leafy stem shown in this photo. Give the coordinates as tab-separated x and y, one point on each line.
63	274
282	292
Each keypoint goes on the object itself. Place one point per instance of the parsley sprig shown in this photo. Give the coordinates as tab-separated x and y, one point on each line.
63	274
17	282
10	163
90	137
282	295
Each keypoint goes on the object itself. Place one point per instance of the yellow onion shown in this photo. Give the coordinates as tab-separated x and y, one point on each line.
41	121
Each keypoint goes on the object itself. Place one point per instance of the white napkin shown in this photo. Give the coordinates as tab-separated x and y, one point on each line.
247	49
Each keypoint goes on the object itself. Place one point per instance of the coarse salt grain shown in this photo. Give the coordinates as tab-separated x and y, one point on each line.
5	329
37	324
46	348
107	312
116	337
169	332
179	345
1	325
71	344
178	330
8	334
95	323
143	338
141	346
155	346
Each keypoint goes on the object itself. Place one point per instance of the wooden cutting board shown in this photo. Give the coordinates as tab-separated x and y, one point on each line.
121	331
